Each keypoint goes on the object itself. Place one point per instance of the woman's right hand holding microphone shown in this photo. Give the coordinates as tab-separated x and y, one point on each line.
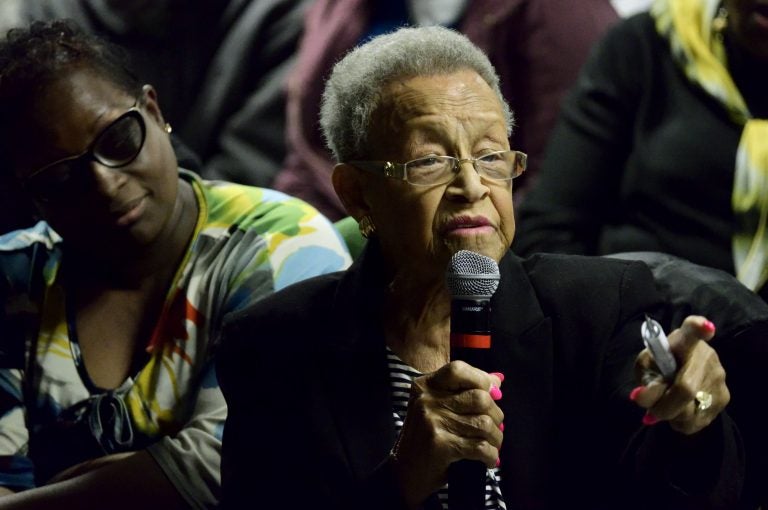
452	415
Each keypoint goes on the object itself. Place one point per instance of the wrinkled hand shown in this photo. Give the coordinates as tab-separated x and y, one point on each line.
451	416
699	369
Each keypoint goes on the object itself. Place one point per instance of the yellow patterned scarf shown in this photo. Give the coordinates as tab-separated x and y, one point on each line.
699	51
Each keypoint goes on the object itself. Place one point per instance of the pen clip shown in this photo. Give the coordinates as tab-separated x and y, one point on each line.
652	327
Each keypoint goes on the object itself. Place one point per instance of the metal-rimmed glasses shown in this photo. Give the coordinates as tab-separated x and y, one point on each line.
435	170
116	146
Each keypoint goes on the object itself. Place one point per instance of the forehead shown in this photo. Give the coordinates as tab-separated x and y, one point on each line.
462	95
78	91
64	116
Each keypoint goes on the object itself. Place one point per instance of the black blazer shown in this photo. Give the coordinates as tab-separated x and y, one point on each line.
310	415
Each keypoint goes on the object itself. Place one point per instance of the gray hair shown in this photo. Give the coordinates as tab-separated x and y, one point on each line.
353	91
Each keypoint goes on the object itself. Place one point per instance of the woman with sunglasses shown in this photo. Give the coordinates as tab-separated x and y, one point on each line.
108	394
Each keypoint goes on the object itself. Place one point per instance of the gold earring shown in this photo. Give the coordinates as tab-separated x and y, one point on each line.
721	20
168	128
366	226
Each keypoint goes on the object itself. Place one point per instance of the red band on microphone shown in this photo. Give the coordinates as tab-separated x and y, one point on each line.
468	340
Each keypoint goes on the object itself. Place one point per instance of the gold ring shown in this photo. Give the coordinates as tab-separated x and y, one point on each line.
703	400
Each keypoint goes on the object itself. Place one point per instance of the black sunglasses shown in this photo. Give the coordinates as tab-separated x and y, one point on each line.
116	146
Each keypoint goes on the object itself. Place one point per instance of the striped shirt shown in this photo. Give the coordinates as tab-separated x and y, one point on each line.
400	378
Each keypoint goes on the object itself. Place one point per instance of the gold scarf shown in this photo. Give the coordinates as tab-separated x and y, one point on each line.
699	51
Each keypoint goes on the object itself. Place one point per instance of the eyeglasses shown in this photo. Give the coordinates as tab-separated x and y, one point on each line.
116	146
435	170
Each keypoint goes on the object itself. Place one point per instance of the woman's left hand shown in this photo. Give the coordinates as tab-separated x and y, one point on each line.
698	392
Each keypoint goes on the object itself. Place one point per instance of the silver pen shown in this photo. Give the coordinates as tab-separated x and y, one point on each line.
656	342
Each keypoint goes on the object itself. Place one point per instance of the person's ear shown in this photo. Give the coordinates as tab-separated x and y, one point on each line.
349	182
152	106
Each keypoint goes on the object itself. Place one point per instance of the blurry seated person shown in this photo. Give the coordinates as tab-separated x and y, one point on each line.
366	407
109	397
662	145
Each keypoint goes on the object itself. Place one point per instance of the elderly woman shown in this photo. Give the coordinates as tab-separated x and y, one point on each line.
360	404
109	397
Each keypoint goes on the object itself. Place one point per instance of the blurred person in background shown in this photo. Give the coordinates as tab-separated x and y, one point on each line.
662	145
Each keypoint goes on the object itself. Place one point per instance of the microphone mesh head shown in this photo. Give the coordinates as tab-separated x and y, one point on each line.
471	274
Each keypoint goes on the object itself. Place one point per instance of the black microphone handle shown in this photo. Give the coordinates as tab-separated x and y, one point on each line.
466	485
470	326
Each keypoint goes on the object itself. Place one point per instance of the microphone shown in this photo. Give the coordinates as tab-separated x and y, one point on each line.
472	279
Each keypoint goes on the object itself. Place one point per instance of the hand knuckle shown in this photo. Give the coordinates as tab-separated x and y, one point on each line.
483	423
438	436
457	368
482	399
726	396
686	391
718	373
481	447
472	398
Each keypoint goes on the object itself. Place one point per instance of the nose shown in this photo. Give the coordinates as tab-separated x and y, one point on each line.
106	182
467	185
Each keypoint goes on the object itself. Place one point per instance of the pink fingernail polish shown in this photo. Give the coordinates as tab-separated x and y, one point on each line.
501	426
495	393
709	326
650	419
635	393
498	462
499	375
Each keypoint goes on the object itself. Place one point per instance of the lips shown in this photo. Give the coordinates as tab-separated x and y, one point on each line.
465	223
129	212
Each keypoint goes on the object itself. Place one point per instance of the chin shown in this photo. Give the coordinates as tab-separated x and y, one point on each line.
132	240
493	250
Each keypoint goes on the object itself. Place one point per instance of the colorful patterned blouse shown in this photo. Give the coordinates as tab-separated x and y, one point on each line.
248	242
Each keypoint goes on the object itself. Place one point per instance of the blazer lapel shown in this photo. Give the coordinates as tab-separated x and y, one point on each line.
357	374
522	345
358	384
